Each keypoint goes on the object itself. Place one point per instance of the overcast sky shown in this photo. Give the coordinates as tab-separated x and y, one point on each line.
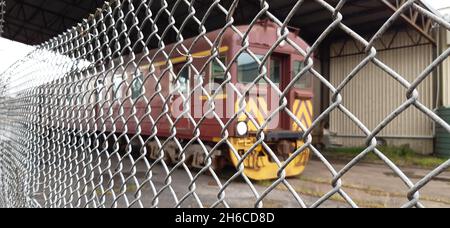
12	51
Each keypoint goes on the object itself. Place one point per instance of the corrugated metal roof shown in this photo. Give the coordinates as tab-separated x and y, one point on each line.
35	21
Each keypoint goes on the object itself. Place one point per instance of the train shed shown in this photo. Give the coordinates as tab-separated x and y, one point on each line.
410	45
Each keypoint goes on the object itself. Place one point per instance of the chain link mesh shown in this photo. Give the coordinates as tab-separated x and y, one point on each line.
74	133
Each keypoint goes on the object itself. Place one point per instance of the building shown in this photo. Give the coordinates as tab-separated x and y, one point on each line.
411	44
442	137
373	94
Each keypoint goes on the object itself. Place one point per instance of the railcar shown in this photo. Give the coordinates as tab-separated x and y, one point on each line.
158	95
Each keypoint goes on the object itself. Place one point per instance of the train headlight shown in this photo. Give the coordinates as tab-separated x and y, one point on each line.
242	129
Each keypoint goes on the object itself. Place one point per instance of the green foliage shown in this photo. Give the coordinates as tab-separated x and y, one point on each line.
400	155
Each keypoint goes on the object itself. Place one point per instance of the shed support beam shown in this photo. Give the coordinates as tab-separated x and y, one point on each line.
419	22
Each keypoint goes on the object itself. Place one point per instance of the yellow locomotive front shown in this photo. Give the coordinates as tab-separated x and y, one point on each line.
268	133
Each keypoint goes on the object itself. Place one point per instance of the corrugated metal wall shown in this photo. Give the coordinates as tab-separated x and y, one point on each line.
317	88
446	83
373	94
442	143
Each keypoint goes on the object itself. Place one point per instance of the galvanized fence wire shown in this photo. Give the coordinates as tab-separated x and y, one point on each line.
61	147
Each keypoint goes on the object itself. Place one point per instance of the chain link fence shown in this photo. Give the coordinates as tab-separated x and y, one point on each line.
124	111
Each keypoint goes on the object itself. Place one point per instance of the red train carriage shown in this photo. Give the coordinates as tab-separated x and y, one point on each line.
153	81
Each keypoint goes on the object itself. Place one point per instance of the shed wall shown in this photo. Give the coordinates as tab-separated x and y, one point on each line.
373	94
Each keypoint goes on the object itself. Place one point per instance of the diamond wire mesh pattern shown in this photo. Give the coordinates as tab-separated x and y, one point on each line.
74	133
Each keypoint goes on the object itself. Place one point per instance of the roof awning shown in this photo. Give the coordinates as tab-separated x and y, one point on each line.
35	21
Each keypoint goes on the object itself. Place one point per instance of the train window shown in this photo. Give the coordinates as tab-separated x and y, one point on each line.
276	70
80	94
217	72
117	92
247	68
305	82
136	87
183	79
99	89
69	95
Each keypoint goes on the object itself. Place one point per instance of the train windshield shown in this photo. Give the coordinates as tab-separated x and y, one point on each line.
305	81
276	69
248	68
